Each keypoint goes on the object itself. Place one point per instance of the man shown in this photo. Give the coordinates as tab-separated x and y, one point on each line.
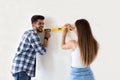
24	62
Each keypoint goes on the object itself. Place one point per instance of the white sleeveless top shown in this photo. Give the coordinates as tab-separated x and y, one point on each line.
76	61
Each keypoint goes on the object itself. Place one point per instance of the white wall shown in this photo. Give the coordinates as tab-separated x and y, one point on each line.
103	16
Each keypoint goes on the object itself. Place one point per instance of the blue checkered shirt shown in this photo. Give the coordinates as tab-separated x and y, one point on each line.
25	58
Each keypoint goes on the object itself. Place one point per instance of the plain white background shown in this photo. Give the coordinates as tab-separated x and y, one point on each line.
103	15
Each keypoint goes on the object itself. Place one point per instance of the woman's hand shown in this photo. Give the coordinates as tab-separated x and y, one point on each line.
69	27
65	30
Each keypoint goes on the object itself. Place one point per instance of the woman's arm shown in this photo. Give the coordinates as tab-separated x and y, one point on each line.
69	44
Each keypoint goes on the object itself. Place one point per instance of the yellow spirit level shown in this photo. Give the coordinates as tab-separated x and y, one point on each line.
55	29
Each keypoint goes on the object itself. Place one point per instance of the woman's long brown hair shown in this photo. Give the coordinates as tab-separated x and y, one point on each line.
87	43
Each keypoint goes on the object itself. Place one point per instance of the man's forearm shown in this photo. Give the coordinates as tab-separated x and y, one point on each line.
45	43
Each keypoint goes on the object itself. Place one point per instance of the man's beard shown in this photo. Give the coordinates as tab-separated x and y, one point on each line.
39	30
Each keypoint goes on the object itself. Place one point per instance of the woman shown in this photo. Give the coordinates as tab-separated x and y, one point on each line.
84	50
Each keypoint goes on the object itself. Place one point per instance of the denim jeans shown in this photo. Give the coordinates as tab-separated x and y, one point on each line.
81	74
21	76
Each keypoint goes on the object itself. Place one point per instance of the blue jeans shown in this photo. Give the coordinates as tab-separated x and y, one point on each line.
81	74
21	76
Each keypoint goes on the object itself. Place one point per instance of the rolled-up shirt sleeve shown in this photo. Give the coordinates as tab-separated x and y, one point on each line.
36	44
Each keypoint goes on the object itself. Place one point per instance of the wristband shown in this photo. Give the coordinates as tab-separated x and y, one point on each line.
46	38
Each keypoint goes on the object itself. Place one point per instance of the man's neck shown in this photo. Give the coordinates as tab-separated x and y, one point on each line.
38	32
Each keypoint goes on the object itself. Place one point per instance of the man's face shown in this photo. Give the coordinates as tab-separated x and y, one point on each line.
38	25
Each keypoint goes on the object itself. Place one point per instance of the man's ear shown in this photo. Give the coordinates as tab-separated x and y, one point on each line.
33	24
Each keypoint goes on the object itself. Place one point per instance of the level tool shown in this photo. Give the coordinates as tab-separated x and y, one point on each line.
55	29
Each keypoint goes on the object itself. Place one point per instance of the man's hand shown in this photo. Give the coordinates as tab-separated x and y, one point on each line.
47	34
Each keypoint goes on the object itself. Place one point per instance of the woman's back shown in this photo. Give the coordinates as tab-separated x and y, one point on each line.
76	58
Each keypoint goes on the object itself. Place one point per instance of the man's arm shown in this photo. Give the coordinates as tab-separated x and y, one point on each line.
37	45
47	36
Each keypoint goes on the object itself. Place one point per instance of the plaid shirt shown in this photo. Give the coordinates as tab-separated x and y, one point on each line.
25	58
